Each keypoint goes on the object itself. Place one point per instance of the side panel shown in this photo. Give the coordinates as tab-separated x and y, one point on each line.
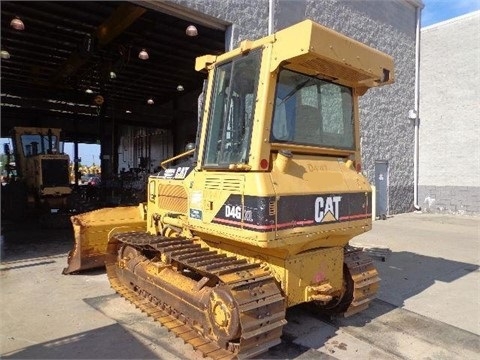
312	268
266	214
317	202
297	274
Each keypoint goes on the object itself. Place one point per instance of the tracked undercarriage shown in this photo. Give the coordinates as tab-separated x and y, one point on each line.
361	284
362	280
222	306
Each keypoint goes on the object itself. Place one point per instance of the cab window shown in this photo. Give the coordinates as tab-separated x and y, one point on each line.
232	111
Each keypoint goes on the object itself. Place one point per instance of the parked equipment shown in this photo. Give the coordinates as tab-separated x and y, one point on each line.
41	180
260	217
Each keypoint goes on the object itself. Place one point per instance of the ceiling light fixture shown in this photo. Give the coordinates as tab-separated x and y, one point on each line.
4	54
180	88
17	24
143	55
128	111
191	30
113	75
150	101
89	91
99	100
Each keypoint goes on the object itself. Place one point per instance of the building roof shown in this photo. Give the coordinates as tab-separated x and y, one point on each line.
452	20
69	46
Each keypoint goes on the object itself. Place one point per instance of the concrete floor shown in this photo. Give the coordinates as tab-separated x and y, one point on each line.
428	306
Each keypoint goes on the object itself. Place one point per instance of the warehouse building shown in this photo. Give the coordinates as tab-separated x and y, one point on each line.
449	172
48	89
388	137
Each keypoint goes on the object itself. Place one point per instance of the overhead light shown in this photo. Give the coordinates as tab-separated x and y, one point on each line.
5	54
17	24
99	100
89	91
180	88
150	101
128	111
191	30
113	75
143	55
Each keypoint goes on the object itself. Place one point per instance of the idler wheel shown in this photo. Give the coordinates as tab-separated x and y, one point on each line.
223	315
128	252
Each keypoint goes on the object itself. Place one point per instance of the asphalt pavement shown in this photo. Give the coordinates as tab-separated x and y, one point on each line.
428	306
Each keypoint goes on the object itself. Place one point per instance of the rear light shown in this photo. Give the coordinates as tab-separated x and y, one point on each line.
264	164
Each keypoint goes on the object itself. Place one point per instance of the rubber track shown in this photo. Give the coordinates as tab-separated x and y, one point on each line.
365	280
254	289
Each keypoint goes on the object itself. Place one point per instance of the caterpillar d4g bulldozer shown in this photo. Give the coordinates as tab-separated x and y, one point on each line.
259	216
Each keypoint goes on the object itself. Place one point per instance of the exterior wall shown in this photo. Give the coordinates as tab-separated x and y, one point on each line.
449	163
386	134
389	26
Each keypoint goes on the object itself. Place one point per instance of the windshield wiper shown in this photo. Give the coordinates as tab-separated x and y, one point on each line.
295	90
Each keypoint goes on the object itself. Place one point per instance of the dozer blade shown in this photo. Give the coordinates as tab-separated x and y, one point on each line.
91	234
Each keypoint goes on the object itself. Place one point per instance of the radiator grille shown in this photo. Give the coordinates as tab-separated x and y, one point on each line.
173	198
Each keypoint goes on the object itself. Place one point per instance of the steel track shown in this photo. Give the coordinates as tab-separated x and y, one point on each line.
256	295
364	278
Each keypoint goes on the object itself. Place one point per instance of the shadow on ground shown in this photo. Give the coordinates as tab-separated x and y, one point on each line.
109	342
403	275
28	241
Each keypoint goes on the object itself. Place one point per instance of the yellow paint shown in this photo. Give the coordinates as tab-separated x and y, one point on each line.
306	260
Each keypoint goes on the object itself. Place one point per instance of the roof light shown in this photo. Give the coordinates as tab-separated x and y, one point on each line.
143	55
17	24
4	54
99	100
180	88
191	30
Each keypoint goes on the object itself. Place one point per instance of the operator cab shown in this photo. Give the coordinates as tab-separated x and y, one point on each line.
287	93
307	112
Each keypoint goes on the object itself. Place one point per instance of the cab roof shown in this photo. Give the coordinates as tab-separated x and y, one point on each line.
316	50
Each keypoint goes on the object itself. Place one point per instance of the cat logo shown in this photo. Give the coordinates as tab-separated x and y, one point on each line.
327	208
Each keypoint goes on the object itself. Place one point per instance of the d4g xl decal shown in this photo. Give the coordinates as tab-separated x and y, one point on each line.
293	211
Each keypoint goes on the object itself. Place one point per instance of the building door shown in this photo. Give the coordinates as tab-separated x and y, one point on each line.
381	188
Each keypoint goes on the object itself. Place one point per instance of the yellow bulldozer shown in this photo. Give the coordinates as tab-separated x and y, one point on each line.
258	217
